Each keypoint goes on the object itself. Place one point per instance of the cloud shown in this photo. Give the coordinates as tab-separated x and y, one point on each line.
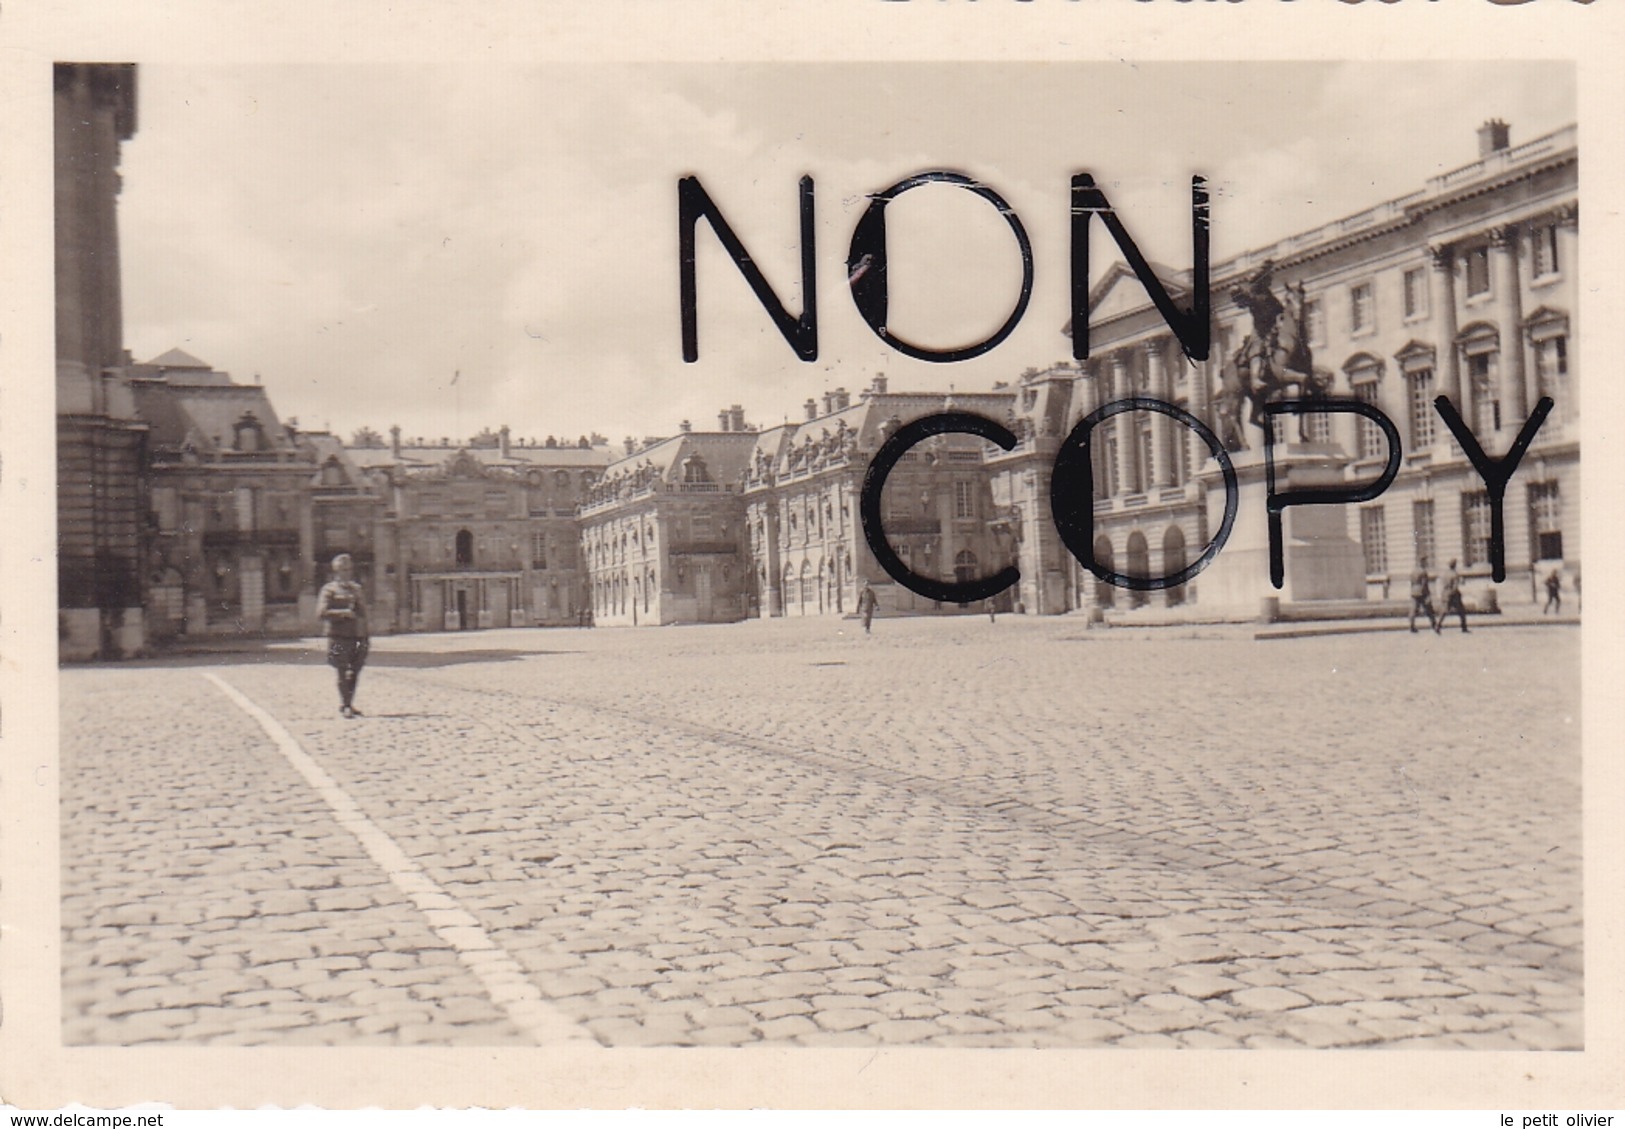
357	234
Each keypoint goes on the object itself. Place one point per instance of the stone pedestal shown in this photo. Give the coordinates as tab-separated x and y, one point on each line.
1322	562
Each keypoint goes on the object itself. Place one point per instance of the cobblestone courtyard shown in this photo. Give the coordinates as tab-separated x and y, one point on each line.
1021	834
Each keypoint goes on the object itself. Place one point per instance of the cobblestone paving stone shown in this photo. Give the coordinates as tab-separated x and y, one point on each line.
950	833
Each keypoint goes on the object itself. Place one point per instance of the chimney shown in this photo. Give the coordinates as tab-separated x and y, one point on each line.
502	440
722	420
879	385
1493	136
829	402
631	446
811	407
395	440
685	427
736	417
842	399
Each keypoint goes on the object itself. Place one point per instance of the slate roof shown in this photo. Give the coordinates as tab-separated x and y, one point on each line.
726	454
205	414
518	458
178	358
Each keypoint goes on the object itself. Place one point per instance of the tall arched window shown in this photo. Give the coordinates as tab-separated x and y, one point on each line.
465	548
1548	332
1365	382
1480	345
1138	565
1173	561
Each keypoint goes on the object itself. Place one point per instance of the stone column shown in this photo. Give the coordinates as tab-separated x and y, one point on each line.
251	590
1122	425
1202	375
1509	307
1443	296
1162	427
773	595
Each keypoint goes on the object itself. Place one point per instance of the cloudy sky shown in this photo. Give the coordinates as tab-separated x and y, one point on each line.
358	235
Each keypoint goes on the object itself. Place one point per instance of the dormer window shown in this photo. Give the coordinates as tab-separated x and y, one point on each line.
249	433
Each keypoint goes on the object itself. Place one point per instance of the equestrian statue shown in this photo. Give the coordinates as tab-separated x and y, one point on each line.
1272	359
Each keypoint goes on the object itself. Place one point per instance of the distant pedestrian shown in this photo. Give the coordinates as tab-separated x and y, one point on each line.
1554	593
1421	595
866	605
342	607
992	612
1452	600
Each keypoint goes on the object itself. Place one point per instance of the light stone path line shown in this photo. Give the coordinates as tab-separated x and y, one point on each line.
504	979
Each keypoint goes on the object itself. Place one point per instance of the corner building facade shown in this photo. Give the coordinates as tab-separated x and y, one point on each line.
663	533
470	536
802	494
1466	288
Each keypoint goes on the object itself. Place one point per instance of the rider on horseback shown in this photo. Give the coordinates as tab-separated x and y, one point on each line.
1268	360
1256	297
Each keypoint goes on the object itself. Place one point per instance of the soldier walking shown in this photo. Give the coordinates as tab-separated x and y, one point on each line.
1452	600
1554	593
1421	595
866	605
342	606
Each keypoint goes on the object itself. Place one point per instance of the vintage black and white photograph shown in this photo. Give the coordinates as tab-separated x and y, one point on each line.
449	661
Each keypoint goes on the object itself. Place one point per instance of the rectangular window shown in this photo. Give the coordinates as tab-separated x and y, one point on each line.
164	506
1371	441
538	550
245	509
1318	426
1422	528
1486	395
1143	448
964	500
1546	521
1420	384
1182	449
1543	250
1551	365
1374	540
220	580
1477	263
281	576
1416	292
1552	377
282	509
1475	527
1361	312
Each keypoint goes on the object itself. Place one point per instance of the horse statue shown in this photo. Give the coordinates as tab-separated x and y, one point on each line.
1272	359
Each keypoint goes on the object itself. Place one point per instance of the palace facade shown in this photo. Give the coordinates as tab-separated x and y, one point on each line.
1465	288
189	509
482	534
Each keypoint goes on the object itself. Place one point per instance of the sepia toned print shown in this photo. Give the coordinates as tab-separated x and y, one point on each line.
1146	799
